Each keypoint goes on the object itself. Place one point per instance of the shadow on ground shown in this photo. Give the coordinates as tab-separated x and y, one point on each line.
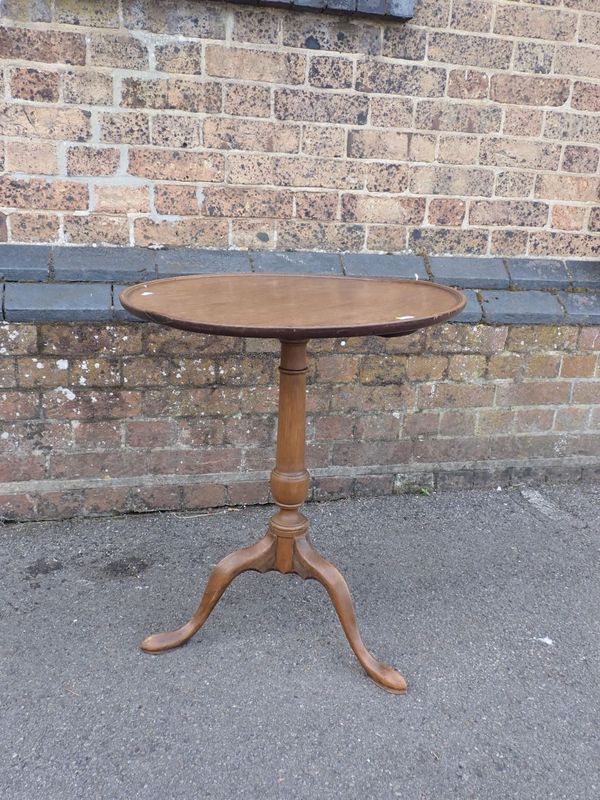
487	602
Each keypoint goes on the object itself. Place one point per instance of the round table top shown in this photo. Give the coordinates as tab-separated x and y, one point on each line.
293	307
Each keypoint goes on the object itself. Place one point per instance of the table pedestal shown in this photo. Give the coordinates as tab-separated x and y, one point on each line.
286	547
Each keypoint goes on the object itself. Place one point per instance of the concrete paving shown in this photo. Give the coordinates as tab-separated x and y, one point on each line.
487	601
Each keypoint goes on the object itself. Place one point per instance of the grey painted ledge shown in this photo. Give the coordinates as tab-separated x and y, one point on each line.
76	284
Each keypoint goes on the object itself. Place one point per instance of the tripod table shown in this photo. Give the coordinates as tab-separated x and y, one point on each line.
292	309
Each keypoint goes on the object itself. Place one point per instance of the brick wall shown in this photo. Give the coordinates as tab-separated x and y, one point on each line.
473	128
108	418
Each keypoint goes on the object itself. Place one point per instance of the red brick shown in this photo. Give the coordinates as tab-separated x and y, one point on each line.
201	432
333	427
203	495
197	462
97	465
17	507
533	393
22	468
452	395
248	493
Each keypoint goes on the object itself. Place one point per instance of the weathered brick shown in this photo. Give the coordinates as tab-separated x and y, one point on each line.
458	149
533	58
586	96
451	181
427	241
426	368
504	152
390	209
478	51
24	468
316	205
95	228
174	131
330	33
93	161
256	25
122	52
39	122
87	88
404	41
529	90
578	366
244	100
523	121
298	104
372	143
83	404
536	23
172	93
471	15
88	12
175	199
39	45
404	79
442	115
179	57
577	60
176	165
446	212
246	202
254	65
330	73
36	158
189	232
524	339
567	187
34	84
42	194
387	177
568	218
203	496
323	141
115	199
233	134
187	18
149	433
392	112
507	212
533	393
304	234
124	128
468	84
571	419
563	244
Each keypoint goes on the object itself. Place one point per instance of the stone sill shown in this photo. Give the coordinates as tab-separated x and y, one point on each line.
82	284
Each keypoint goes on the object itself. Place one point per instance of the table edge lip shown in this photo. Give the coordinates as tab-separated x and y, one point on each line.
393	328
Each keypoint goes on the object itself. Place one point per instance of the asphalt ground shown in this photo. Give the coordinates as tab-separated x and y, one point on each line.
487	601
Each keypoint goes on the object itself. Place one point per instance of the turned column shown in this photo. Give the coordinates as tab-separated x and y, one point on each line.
290	479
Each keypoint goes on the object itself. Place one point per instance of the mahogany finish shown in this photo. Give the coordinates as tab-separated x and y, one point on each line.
293	309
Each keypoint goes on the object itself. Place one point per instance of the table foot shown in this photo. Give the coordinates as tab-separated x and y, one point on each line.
308	563
259	557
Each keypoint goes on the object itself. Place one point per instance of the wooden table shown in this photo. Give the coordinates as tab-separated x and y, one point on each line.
293	309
